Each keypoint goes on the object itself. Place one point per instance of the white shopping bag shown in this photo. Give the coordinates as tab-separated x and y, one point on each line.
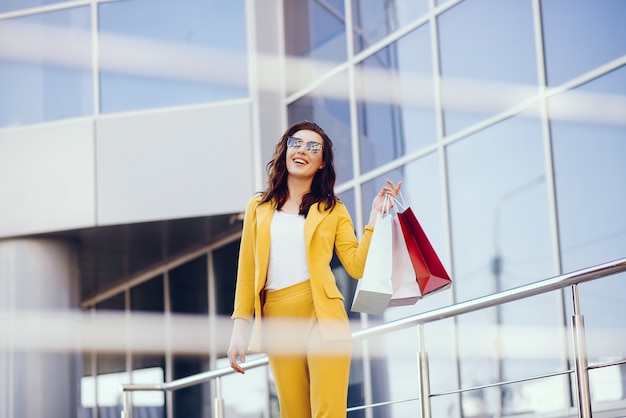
406	290
374	289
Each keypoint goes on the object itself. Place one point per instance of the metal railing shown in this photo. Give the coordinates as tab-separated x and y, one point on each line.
580	370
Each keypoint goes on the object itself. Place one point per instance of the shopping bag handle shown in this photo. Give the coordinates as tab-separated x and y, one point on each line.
387	204
398	203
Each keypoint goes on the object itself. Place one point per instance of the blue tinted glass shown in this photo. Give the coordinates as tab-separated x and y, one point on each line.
500	220
328	106
589	152
580	35
375	19
499	208
422	191
315	41
157	53
46	75
396	100
12	5
488	59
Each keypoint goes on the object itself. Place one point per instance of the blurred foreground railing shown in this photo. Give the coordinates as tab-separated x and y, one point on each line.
581	367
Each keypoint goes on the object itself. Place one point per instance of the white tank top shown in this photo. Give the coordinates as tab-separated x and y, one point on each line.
287	264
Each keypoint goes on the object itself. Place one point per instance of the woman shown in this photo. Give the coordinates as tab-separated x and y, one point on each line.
284	279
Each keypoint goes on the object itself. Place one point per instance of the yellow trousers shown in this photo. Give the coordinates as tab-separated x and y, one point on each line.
311	374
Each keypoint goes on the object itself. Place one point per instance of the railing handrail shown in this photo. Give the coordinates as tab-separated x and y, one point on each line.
521	292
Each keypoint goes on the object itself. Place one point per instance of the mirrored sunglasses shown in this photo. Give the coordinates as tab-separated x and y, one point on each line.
297	143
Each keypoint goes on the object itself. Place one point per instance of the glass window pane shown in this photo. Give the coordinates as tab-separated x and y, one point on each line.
328	106
396	374
191	401
110	367
256	395
148	296
581	35
421	190
499	209
488	61
12	5
315	41
373	20
589	140
189	287
47	74
225	261
157	53
501	240
396	100
589	137
148	370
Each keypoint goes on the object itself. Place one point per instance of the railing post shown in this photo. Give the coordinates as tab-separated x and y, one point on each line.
581	369
127	405
424	375
219	400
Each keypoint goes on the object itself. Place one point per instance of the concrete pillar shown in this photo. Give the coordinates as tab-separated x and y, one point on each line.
39	283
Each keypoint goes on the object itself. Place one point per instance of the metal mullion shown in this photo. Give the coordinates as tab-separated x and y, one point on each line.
253	82
443	166
550	176
169	360
50	8
373	49
358	195
44	9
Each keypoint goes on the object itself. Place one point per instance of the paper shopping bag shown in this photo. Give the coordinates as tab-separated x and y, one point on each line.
406	290
431	275
373	290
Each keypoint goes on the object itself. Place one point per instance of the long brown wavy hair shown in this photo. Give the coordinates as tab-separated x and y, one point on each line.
323	185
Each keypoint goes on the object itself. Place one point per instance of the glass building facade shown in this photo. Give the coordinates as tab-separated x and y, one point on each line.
132	133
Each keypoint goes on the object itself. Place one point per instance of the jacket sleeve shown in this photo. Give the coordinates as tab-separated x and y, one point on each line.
244	290
351	253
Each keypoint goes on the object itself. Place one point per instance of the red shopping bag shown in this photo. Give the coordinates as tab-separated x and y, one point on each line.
431	275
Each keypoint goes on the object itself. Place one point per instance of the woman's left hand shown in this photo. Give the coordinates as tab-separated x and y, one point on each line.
378	205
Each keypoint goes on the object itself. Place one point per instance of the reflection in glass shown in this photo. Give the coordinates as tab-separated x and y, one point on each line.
11	5
488	63
582	36
256	391
160	53
315	39
501	240
225	261
373	20
590	176
148	296
396	100
45	74
188	285
110	367
328	107
190	402
422	192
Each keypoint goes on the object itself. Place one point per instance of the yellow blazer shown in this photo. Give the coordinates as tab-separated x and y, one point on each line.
324	231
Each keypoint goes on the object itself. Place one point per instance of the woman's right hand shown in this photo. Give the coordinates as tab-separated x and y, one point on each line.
237	347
